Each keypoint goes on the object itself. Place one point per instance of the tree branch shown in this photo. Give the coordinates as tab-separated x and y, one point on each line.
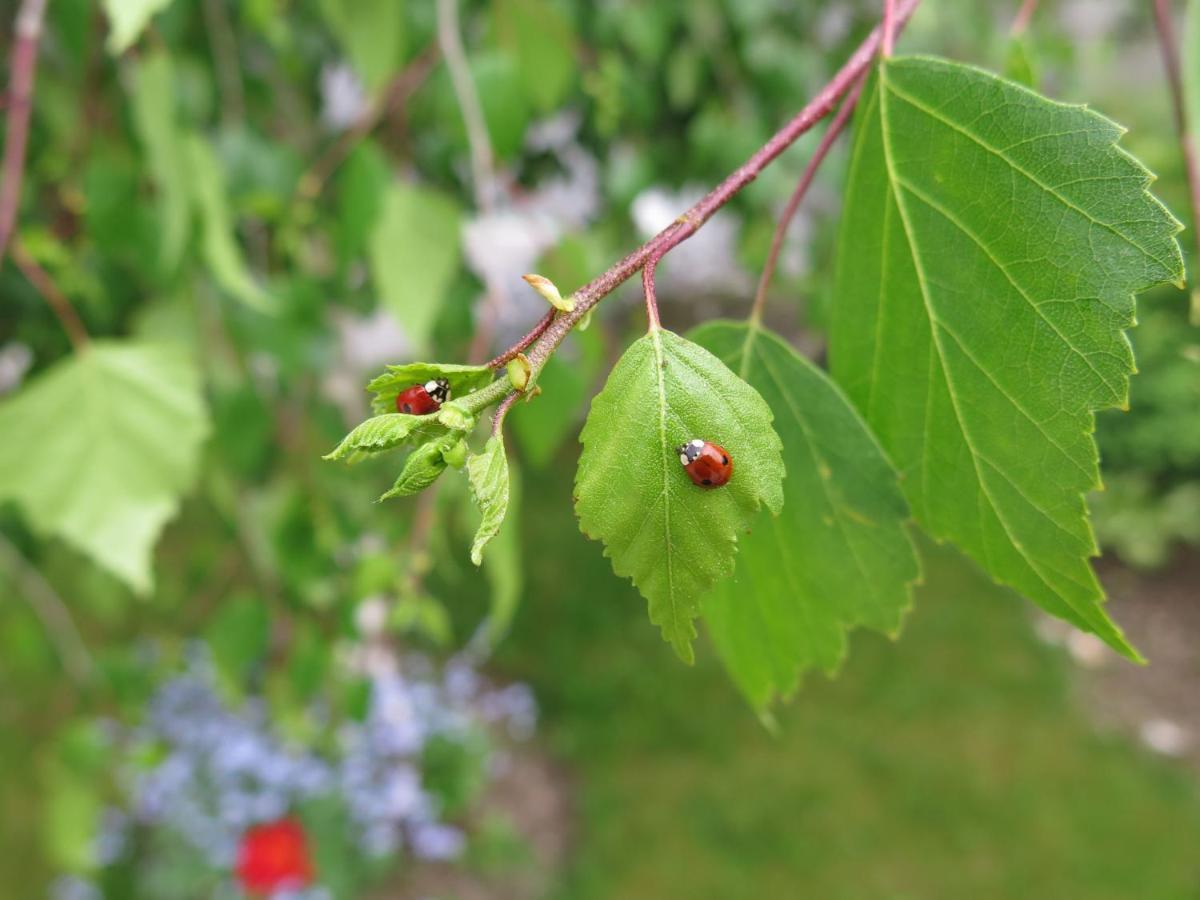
789	212
49	607
520	346
889	28
687	224
56	299
1187	140
27	33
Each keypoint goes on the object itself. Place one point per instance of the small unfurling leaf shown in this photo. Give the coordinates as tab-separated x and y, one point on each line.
487	473
381	433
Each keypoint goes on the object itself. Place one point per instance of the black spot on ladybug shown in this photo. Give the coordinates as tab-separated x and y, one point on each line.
708	481
725	460
406	408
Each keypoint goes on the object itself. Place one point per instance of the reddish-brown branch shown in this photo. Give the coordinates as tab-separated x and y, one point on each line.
520	346
56	299
27	34
1023	17
687	224
389	102
789	212
1187	140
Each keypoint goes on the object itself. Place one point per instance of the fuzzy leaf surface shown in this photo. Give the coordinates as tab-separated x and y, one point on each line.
99	449
991	246
672	538
838	556
382	433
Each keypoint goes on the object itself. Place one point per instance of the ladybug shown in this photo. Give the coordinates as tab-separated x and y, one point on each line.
706	463
423	399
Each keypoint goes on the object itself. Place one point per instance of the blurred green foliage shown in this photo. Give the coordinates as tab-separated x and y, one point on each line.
191	193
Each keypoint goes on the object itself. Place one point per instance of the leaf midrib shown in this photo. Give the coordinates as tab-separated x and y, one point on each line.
1087	612
660	383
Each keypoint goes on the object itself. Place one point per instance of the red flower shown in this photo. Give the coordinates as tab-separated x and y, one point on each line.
274	857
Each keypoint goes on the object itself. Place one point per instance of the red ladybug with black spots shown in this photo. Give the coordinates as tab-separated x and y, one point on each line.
423	399
706	463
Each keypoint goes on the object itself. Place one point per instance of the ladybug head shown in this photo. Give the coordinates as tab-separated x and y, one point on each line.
438	389
689	450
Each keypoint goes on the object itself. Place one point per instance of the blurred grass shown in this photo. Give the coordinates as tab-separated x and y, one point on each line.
952	763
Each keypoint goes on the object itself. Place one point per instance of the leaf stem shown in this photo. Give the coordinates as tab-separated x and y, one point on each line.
1023	17
789	212
889	28
501	411
55	299
648	288
27	34
687	224
1187	140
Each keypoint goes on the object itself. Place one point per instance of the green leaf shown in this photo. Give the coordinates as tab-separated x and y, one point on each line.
382	433
990	249
99	448
221	251
463	380
541	40
502	568
127	19
153	106
414	254
487	473
422	468
361	186
836	557
371	33
674	539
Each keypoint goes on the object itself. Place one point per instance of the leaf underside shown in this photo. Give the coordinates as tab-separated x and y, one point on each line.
672	538
487	474
991	246
837	556
99	449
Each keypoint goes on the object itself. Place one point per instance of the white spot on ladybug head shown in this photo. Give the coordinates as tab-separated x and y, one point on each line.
438	389
683	460
697	443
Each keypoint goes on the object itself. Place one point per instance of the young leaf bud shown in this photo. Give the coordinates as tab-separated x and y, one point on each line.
549	291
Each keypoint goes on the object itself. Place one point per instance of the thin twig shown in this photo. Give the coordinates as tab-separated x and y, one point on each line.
225	60
482	157
652	320
520	346
483	160
27	33
55	299
789	212
313	181
1187	140
686	225
1022	19
49	607
889	28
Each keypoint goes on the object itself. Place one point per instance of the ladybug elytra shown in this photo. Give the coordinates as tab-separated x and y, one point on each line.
423	399
706	463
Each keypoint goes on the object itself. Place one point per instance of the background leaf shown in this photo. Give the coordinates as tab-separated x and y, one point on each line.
221	252
153	106
991	245
99	449
487	473
371	33
127	19
672	538
837	556
542	41
414	252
